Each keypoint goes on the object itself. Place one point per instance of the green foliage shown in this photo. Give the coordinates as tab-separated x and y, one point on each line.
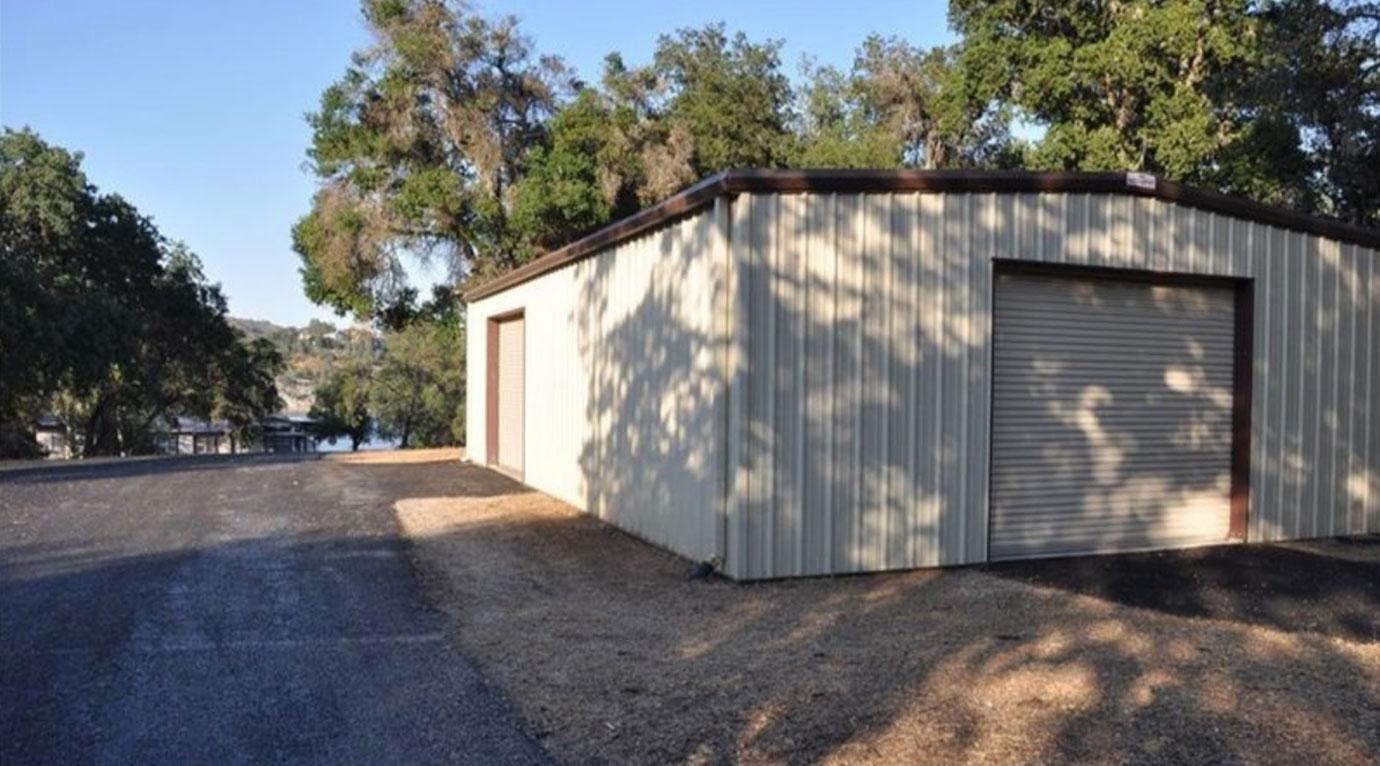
1278	101
418	392
1117	86
728	94
573	184
341	406
105	321
245	386
1319	94
707	102
419	149
836	130
899	106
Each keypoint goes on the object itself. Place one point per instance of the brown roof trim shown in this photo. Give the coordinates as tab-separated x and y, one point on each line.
856	181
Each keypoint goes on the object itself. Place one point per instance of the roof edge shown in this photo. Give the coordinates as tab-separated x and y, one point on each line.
957	181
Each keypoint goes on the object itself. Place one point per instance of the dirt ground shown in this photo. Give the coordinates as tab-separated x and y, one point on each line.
1259	654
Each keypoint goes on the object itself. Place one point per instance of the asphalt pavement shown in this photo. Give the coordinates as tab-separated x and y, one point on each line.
226	610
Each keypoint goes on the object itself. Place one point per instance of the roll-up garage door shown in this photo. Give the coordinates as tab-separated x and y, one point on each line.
1112	414
511	382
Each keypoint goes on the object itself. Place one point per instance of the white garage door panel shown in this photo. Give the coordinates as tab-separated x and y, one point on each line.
1111	424
511	391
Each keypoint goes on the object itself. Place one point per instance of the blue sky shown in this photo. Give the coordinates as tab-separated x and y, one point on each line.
194	110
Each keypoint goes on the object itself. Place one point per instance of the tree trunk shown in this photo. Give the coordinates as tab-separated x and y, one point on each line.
94	438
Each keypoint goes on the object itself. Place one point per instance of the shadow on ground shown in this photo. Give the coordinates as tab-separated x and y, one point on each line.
1319	590
1231	655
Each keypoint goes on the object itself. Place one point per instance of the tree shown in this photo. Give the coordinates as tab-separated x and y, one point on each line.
729	95
899	106
245	389
419	148
580	179
1318	91
836	132
1116	86
45	206
418	391
707	102
341	405
105	320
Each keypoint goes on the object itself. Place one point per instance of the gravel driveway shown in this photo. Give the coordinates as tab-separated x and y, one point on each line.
226	610
1246	654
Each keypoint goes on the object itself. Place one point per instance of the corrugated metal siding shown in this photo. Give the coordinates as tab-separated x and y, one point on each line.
861	438
1112	420
510	394
624	369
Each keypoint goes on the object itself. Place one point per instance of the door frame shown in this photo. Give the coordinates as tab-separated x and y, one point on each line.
491	388
1243	362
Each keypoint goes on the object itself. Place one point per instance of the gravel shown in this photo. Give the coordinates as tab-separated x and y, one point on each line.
1260	654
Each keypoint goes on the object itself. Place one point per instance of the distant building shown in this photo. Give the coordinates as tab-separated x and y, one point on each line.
51	434
182	435
185	435
288	432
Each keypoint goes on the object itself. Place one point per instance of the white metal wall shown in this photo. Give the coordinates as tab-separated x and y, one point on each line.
624	409
860	397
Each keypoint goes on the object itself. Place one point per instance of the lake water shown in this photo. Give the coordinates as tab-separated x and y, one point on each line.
343	445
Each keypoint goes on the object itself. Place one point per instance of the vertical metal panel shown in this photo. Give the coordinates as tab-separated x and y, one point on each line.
789	271
1051	222
818	362
848	384
740	477
953	255
1343	400
1310	461
1282	384
1365	475
905	496
721	292
1365	478
1354	376
933	399
978	455
761	219
1327	431
871	509
1255	246
1099	230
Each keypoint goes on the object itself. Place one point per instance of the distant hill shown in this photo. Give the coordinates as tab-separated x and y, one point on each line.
259	328
311	353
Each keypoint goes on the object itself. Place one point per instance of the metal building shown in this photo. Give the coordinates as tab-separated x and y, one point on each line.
802	373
